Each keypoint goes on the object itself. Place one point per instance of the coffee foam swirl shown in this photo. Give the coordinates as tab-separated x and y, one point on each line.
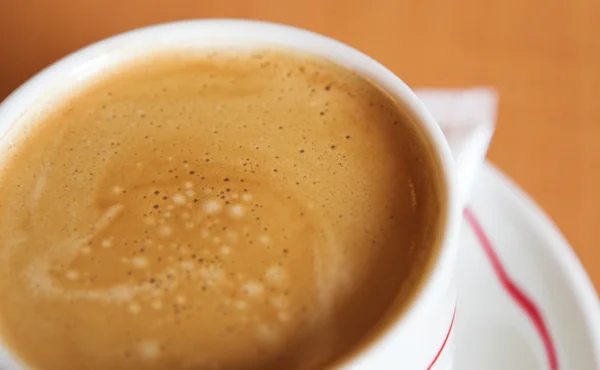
267	200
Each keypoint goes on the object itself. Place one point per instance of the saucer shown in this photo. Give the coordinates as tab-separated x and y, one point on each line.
524	300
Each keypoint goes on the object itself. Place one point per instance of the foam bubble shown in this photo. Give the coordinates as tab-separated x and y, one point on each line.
413	195
283	316
212	274
179	199
241	305
149	350
86	250
232	236
155	292
216	240
225	250
140	261
188	185
267	333
253	288
187	265
165	230
190	193
106	243
167	214
72	275
276	275
117	190
181	300
237	211
279	302
156	304
264	239
235	196
134	308
212	206
247	197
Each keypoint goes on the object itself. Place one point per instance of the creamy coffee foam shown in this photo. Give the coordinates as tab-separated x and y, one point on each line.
248	210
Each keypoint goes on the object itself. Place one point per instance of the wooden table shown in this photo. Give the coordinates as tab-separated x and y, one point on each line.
542	55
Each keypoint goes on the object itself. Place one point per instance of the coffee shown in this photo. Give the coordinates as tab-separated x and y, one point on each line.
225	210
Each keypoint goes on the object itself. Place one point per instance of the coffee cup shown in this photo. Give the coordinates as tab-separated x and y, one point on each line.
421	337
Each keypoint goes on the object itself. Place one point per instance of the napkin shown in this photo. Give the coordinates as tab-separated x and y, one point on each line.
467	118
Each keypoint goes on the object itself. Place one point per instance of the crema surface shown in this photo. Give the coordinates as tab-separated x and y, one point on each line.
228	210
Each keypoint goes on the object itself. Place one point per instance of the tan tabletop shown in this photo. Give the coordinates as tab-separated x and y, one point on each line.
542	56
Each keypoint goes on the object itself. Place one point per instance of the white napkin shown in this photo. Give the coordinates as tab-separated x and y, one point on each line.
467	118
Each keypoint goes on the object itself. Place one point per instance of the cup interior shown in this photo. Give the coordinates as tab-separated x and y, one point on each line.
19	112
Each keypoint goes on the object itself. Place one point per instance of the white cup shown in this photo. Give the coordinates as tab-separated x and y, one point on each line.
422	337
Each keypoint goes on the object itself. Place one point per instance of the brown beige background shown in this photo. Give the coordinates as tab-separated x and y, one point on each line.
542	55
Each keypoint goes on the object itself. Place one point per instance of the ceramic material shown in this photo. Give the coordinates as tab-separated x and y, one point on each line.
420	338
524	300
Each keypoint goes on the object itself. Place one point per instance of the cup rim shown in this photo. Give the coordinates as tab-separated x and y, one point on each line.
89	60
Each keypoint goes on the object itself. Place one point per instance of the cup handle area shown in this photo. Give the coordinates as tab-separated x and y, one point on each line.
467	118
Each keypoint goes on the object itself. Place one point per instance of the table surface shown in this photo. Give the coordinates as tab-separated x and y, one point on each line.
542	56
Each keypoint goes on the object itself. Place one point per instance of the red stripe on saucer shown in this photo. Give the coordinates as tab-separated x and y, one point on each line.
437	356
522	300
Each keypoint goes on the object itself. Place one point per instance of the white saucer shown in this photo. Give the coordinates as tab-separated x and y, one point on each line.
524	301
